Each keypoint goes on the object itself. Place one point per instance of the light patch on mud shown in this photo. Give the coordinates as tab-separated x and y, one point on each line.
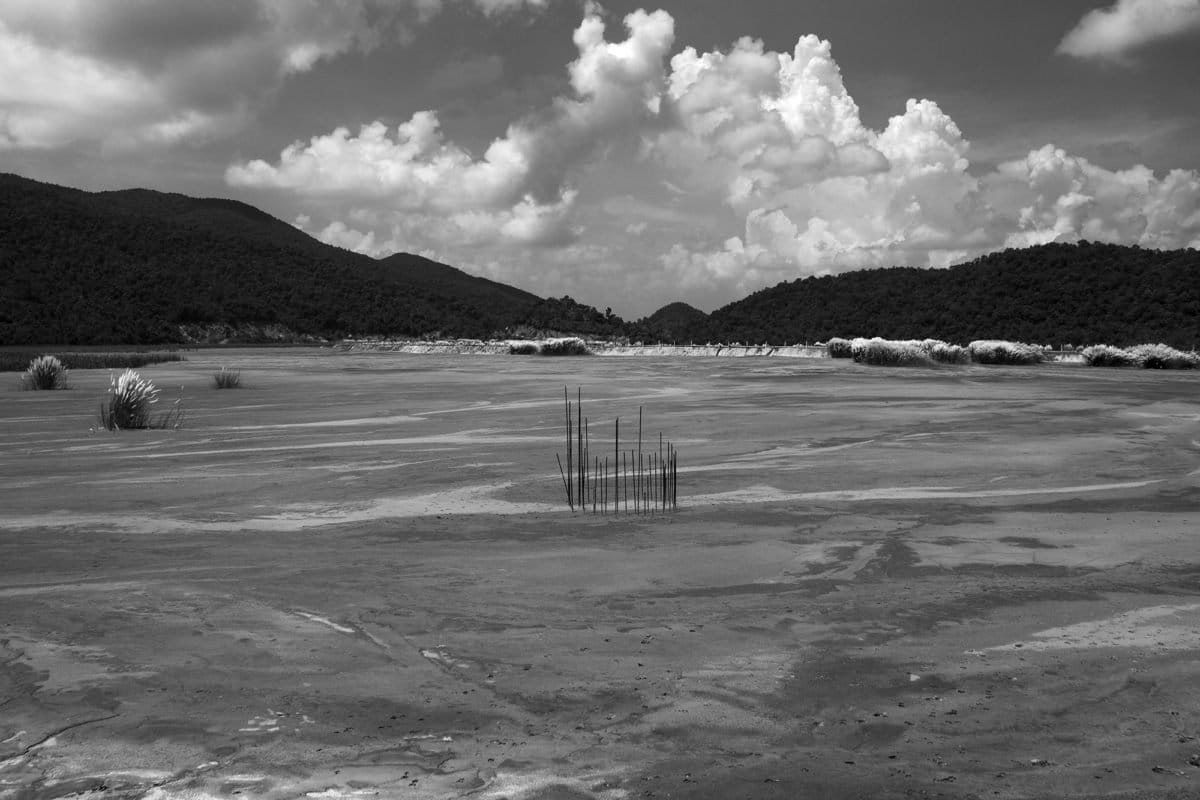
769	494
468	500
464	438
69	667
516	787
1155	627
329	423
326	622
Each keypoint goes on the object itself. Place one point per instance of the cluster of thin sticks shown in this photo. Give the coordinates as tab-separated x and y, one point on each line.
631	481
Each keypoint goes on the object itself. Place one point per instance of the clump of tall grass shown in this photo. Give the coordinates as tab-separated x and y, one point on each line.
1161	356
227	378
944	353
129	405
996	351
1103	355
523	349
44	373
15	360
839	348
570	346
888	353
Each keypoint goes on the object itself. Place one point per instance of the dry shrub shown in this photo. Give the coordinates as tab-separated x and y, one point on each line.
523	349
887	353
1103	355
129	405
839	348
996	351
944	353
1161	356
570	346
44	373
227	378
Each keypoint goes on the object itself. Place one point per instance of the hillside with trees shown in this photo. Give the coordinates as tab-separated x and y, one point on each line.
1051	294
143	267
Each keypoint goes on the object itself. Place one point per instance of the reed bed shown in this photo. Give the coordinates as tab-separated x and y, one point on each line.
227	378
570	346
129	405
44	373
17	360
1104	355
1146	356
888	353
944	353
636	479
839	348
997	351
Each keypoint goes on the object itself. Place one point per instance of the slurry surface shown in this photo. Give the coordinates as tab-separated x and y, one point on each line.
357	577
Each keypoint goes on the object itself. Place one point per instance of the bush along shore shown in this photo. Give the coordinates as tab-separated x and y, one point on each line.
874	351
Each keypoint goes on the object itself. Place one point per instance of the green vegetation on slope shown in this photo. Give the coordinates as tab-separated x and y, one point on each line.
134	266
143	267
1051	294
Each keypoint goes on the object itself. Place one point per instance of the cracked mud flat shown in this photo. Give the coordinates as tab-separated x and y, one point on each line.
353	578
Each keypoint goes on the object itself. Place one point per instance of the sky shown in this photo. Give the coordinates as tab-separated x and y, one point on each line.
629	155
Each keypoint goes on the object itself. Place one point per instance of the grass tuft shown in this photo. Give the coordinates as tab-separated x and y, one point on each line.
1161	356
839	348
523	348
44	373
996	351
570	346
129	405
227	378
888	353
1103	355
944	353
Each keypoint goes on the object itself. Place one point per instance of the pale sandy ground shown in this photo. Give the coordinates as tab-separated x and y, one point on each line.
356	577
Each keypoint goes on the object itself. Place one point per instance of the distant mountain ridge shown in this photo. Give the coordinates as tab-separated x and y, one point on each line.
139	266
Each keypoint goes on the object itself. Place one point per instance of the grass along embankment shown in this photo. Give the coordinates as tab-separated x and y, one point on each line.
17	359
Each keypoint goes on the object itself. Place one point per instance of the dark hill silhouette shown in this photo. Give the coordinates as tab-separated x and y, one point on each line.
134	266
1051	294
674	322
144	267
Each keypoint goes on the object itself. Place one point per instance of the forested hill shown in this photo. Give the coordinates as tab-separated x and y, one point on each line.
140	266
1051	294
144	267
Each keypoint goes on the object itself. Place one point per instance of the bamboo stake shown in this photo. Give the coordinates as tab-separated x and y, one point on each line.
639	461
570	494
566	485
616	464
581	496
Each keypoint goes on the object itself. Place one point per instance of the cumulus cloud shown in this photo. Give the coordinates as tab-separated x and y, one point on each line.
126	73
1116	31
770	145
817	192
520	188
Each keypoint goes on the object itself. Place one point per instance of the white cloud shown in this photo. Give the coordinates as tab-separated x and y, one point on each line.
817	192
520	189
1116	31
762	168
125	73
